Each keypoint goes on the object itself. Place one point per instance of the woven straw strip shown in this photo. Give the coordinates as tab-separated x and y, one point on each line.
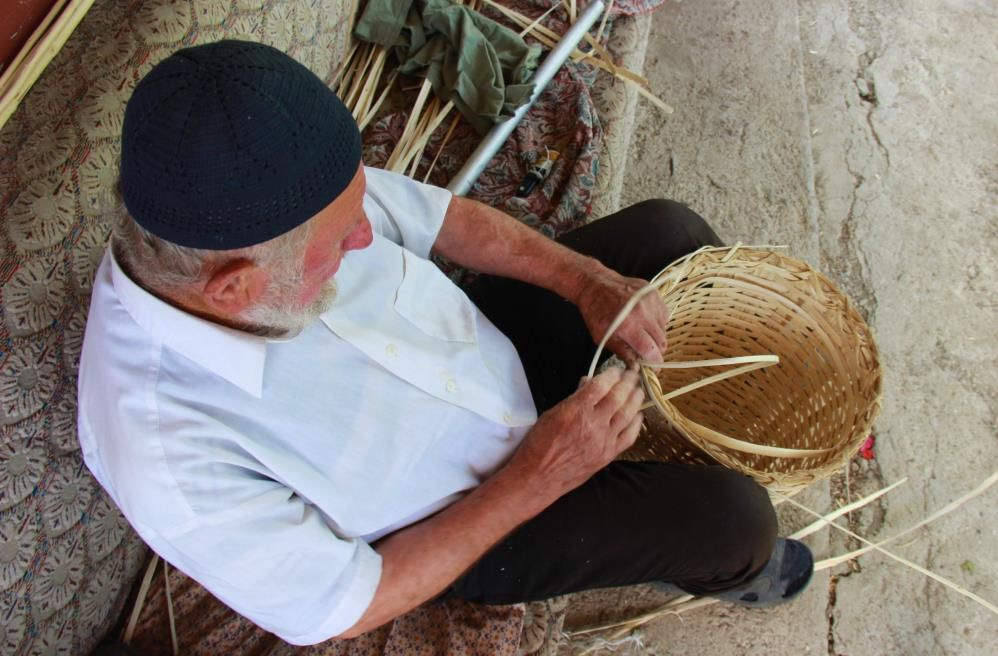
716	378
716	362
721	439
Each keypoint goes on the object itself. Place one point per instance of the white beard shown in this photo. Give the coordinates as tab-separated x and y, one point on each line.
278	313
283	318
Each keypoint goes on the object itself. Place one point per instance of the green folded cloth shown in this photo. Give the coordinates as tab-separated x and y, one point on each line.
468	58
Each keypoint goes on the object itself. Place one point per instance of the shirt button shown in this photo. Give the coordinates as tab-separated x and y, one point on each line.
451	385
391	350
508	418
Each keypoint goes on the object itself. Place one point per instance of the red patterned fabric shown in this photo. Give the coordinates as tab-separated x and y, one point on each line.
206	627
563	119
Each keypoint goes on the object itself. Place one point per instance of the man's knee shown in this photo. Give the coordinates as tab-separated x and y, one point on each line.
750	519
671	221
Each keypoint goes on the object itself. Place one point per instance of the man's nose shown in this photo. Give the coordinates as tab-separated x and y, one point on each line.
360	237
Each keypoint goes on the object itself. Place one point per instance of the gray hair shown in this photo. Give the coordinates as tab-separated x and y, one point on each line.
166	268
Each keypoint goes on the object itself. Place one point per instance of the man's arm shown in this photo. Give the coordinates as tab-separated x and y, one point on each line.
567	445
488	240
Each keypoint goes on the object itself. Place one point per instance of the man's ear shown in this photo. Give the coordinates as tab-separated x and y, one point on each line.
234	287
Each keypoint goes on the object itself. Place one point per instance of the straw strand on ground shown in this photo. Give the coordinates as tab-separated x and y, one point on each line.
140	600
819	524
431	127
602	25
688	602
443	144
904	561
169	609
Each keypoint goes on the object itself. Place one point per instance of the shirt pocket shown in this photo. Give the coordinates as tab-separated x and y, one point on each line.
431	302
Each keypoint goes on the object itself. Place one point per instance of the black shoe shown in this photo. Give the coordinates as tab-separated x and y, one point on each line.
784	577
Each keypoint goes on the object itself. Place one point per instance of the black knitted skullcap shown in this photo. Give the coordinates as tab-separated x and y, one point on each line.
229	144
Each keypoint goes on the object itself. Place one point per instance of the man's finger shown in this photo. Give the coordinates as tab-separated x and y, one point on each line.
657	321
595	388
643	345
652	350
617	397
637	398
654	317
629	435
626	412
623	350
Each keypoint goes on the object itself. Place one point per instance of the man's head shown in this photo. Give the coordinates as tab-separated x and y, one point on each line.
242	180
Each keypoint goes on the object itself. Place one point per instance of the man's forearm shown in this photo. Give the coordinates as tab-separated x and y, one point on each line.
568	444
420	561
489	241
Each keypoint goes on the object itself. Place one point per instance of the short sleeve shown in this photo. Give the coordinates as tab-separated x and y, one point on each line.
407	212
275	560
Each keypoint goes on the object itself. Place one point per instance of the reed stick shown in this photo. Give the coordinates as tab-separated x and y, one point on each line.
140	600
17	81
370	87
431	127
169	609
443	144
602	25
411	146
817	525
373	111
338	77
537	21
350	69
689	602
951	506
361	78
410	126
904	561
26	48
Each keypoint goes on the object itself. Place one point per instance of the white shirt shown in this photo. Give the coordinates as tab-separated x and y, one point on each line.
263	468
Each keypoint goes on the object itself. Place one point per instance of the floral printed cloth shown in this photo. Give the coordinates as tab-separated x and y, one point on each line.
206	627
67	556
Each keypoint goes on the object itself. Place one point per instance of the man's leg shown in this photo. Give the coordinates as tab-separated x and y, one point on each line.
707	529
548	331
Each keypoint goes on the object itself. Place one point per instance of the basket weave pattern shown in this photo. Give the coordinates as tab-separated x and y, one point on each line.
822	396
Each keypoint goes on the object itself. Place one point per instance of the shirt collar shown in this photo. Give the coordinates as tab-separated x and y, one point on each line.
236	356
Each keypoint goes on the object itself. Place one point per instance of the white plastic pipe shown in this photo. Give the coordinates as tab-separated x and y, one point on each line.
493	141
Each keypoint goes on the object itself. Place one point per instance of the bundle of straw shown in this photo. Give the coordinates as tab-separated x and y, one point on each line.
368	78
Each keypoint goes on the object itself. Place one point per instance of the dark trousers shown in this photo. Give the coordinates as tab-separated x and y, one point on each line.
706	529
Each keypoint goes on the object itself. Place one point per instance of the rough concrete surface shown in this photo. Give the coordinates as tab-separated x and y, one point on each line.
865	136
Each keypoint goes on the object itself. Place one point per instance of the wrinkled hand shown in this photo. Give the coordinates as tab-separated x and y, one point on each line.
642	334
581	435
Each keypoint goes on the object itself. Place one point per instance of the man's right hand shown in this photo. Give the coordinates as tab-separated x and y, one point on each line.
568	444
581	435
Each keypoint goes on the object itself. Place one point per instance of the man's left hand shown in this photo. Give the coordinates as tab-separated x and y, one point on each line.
642	334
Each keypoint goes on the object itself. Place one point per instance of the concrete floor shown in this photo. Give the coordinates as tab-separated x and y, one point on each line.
865	136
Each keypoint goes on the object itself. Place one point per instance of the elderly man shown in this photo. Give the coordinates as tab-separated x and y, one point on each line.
293	405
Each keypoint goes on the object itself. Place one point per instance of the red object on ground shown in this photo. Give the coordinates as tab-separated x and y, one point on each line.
866	451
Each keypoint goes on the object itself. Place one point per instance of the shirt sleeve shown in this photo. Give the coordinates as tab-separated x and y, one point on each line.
273	559
405	211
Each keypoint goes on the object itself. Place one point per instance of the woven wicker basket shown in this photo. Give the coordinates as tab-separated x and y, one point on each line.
785	423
